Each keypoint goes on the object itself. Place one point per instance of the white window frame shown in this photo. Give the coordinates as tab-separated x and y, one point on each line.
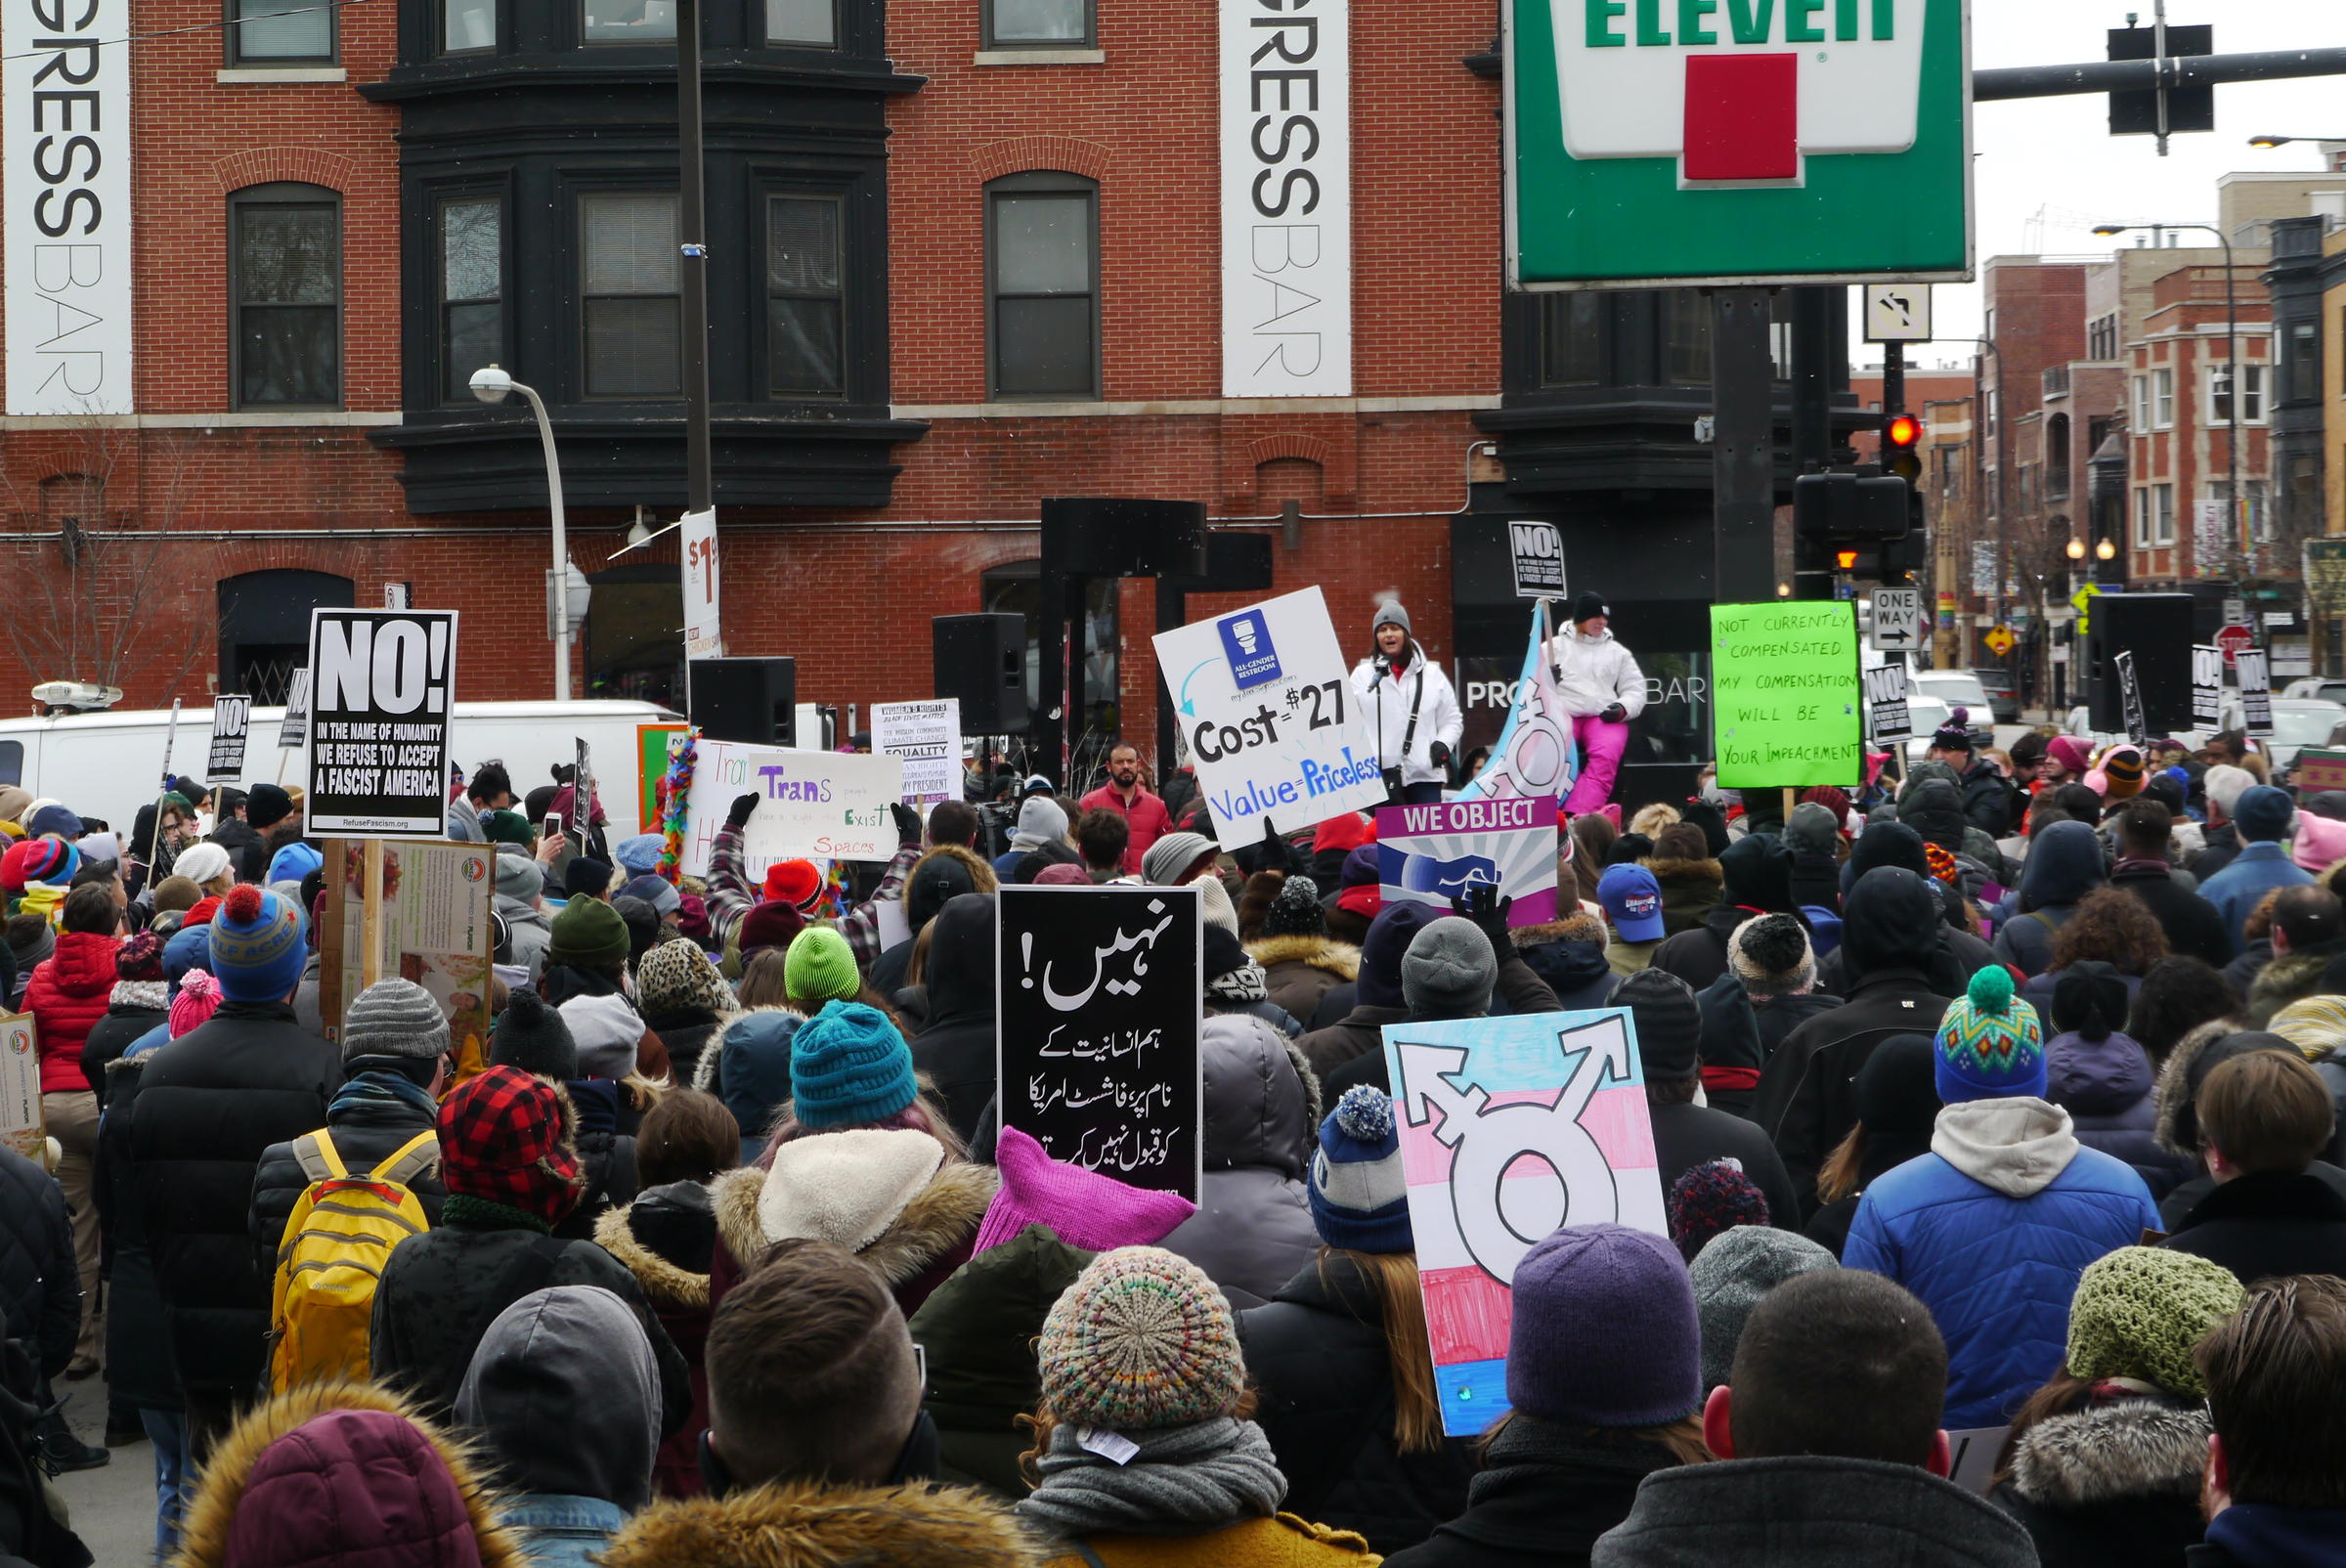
2163	398
2253	406
2142	517
2162	515
2142	402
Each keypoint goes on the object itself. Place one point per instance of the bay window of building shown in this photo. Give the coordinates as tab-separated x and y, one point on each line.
801	23
472	290
627	21
2162	399
286	283
1572	337
467	27
2304	368
1038	24
1042	278
1685	337
805	297
631	295
2252	396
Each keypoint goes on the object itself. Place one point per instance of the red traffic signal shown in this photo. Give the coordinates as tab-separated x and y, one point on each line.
1900	434
1902	431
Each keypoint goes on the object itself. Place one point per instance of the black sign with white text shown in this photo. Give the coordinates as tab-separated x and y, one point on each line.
2130	697
2256	692
383	685
1886	716
232	718
2207	686
1097	1029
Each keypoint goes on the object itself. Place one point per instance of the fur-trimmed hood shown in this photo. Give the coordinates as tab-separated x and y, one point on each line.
1577	927
212	1513
1686	870
1340	959
665	1283
937	1218
2112	1453
804	1525
2178	1127
2288	978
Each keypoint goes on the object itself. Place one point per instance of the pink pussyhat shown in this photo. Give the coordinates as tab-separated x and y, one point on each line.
2321	843
1087	1210
198	1000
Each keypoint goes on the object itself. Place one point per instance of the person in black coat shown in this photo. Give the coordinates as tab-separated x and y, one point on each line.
1957	952
40	1291
135	1006
207	1106
1757	880
1814	836
1669	1035
955	1047
1769	990
2263	1116
394	1061
2192	924
1898	1107
1326	1356
1807	1099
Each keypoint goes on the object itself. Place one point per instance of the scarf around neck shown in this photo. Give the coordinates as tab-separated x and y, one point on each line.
1183	1481
152	996
383	1087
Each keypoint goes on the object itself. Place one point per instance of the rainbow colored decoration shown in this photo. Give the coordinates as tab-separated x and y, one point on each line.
676	788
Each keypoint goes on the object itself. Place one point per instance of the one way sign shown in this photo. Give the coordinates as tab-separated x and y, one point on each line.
1898	620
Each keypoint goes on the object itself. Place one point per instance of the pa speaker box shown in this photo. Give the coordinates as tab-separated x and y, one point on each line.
1121	536
982	660
2156	628
1235	563
752	701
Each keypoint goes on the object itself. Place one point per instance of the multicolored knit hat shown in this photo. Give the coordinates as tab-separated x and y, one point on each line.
31	860
1359	1197
505	1138
1943	863
2122	772
1142	1340
140	957
1991	1044
260	945
1710	1200
2138	1311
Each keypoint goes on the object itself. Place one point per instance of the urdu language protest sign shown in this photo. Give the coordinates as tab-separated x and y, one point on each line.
1097	1029
1784	694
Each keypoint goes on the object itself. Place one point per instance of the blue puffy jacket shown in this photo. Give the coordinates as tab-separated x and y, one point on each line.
1991	1230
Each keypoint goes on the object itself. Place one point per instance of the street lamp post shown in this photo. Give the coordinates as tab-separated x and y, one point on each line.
494	385
2232	373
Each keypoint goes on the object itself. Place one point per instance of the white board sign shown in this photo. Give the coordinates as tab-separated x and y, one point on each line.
703	637
22	1125
926	736
1286	199
1898	620
65	131
1538	552
384	684
1262	698
232	720
1886	716
817	805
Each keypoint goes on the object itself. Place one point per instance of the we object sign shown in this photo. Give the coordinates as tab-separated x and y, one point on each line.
1737	142
1435	854
1263	698
817	805
383	682
1509	1128
232	718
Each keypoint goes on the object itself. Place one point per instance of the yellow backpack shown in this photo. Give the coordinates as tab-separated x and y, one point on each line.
336	1242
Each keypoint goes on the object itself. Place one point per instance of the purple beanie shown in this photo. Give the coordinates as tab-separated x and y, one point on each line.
1621	1289
1387	944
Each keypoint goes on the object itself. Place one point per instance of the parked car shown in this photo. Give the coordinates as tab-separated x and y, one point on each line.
2002	700
2297	723
2324	688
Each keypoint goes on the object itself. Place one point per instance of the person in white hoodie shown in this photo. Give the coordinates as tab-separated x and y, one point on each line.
1411	710
1604	689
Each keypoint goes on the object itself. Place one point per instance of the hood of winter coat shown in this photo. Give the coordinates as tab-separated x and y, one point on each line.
878	1193
2292	977
1569	955
942	875
665	1238
2096	1077
2116	1452
978	1329
282	1491
1934	809
960	968
566	1392
2017	1146
2065	863
2195	1056
752	1064
83	964
1755	873
1340	959
1813	829
1262	1102
812	1525
1890	920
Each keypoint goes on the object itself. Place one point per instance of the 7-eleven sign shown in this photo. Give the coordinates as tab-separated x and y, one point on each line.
1736	141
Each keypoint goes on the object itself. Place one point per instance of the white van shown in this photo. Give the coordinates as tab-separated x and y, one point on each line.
108	765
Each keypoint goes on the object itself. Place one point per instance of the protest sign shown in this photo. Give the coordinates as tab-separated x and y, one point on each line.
1095	1036
1435	854
652	742
1509	1128
1971	1457
926	735
1887	716
2130	697
293	730
22	1125
1267	709
2207	685
1784	694
1538	552
1533	754
383	685
696	551
2256	691
435	930
232	718
820	806
584	801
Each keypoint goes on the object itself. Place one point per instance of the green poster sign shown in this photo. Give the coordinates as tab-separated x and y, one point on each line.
1654	142
1785	709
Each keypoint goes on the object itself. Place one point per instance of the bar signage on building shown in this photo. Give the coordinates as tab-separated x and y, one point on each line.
65	132
1286	199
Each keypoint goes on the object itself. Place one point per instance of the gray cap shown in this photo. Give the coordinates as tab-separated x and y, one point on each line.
1169	856
1811	830
1448	970
518	877
394	1017
1390	613
1731	1272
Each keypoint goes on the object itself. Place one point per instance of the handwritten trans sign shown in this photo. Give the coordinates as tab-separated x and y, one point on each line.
1265	704
1435	854
1512	1128
823	806
1096	1044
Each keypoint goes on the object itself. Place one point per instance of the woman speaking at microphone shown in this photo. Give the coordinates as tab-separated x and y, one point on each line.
1411	710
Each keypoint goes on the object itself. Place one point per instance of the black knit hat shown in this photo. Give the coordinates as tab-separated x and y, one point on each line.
266	805
1296	911
532	1036
1770	954
585	876
1586	605
1670	1023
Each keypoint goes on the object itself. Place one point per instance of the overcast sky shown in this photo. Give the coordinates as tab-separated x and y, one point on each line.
2053	159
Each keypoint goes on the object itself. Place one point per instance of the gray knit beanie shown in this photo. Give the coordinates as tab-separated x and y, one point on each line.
1169	856
1731	1272
1390	613
1448	970
394	1017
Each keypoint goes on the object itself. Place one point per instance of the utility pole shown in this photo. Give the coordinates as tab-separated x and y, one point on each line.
1743	467
693	226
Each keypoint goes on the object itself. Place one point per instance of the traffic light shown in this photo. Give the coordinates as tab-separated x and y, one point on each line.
1901	446
1844	508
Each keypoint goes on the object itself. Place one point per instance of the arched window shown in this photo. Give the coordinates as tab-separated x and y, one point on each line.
284	253
265	626
1042	287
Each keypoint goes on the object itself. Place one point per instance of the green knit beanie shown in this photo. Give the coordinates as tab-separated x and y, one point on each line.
820	966
590	933
2139	1311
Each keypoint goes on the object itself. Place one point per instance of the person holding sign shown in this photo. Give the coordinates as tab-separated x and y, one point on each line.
1413	710
1603	689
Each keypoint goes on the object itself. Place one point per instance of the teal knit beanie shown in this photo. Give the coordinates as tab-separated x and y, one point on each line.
849	1066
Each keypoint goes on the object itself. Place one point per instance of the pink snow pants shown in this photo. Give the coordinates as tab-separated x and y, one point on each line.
1601	745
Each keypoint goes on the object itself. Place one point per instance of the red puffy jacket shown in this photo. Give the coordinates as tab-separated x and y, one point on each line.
66	994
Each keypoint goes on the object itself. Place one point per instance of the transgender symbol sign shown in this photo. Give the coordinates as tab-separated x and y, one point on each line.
1509	1128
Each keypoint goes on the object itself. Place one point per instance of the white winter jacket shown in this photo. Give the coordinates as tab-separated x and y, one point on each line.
1595	673
1438	715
